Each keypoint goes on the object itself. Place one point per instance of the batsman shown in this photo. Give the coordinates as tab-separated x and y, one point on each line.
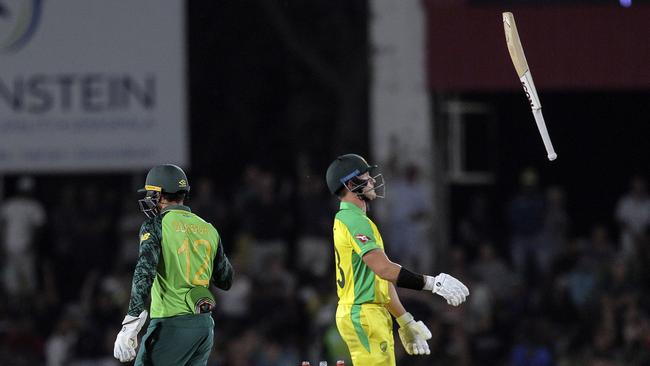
180	256
366	277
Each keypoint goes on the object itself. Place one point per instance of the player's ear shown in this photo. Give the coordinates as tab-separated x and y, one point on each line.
351	186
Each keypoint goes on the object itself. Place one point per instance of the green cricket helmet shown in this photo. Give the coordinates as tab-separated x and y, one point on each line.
166	178
349	167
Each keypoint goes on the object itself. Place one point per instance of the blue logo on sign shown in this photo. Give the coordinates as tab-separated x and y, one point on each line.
18	22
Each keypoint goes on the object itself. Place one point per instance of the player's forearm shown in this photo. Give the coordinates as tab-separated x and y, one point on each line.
222	273
140	288
389	271
383	267
394	307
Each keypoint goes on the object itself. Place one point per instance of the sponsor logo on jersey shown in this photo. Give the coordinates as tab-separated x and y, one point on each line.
384	346
362	238
144	237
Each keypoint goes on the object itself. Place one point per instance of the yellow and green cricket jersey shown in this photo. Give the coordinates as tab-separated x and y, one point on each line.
355	235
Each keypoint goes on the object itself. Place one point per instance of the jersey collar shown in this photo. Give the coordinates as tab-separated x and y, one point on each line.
175	207
351	206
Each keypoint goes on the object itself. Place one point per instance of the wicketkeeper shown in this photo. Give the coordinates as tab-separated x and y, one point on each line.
180	255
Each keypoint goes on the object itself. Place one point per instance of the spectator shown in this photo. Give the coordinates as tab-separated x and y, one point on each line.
235	303
21	216
64	226
493	271
265	217
554	230
633	215
526	219
94	226
206	203
59	346
274	353
532	349
581	283
314	209
406	220
475	226
128	226
599	250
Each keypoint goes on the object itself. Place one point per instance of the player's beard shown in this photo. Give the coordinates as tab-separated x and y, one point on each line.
369	195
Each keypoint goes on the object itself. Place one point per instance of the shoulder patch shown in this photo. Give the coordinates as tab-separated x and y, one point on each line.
144	237
362	238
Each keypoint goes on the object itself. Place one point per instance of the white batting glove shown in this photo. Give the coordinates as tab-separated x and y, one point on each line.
413	335
454	291
127	339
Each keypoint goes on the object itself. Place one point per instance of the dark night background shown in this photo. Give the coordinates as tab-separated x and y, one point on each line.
276	89
244	83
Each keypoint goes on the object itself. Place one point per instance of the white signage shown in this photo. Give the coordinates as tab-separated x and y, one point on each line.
91	85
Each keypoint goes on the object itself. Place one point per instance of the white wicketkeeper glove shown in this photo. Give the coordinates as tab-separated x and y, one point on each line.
414	335
127	339
448	287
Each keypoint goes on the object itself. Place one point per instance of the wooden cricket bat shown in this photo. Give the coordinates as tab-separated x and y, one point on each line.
523	71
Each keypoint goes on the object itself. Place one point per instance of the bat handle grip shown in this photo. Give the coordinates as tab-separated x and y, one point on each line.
541	126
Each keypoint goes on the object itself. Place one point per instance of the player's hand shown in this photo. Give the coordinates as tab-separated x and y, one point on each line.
454	291
127	339
414	335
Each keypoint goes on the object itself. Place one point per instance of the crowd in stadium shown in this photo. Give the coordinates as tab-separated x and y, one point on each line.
546	295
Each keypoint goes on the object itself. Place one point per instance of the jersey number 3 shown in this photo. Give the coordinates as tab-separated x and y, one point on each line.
185	248
341	281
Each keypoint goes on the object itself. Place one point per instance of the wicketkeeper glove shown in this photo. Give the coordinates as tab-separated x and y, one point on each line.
414	335
127	339
454	291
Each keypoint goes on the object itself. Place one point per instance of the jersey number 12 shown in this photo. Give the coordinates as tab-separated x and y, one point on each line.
185	248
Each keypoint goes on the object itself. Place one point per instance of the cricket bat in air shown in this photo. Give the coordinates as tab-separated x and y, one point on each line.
521	66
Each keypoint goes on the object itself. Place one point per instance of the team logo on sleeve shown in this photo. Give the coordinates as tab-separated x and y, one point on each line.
144	237
362	238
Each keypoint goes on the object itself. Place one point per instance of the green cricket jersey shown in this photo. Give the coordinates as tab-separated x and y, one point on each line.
178	251
354	236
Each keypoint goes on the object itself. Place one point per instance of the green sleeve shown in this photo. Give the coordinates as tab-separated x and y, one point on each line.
145	268
222	273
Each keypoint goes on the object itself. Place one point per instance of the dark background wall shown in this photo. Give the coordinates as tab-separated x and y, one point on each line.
270	81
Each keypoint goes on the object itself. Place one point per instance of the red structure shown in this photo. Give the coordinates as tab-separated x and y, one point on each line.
568	47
